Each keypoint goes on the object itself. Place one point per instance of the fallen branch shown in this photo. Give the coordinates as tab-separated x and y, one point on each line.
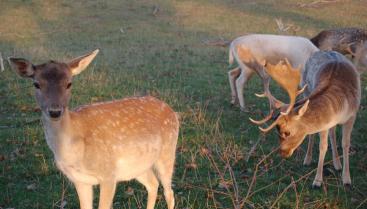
294	183
284	28
1	63
316	3
246	199
155	10
253	148
221	43
362	203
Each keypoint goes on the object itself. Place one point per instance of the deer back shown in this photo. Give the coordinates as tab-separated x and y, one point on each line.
341	39
333	89
330	69
274	48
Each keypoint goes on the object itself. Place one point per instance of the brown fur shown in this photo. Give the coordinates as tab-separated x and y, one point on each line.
104	143
348	41
338	39
332	98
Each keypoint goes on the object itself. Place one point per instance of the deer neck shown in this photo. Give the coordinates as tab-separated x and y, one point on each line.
323	113
58	133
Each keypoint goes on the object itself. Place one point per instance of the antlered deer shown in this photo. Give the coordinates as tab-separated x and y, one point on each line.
332	97
263	47
104	143
346	41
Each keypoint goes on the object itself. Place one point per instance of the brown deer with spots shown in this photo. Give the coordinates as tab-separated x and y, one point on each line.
352	41
332	97
102	144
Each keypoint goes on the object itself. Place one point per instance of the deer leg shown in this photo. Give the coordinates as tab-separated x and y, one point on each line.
85	194
165	169
150	181
107	191
308	158
232	76
347	131
240	84
322	148
266	84
334	149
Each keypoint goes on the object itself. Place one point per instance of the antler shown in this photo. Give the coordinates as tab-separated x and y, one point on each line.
249	59
265	130
274	104
289	79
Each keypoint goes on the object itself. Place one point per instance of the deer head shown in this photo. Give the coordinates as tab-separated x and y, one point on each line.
52	81
291	131
359	52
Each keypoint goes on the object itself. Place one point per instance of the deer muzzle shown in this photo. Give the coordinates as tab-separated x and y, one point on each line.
55	113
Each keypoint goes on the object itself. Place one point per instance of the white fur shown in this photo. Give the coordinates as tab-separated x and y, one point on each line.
271	48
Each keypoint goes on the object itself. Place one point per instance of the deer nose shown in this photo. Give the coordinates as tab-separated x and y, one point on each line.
54	113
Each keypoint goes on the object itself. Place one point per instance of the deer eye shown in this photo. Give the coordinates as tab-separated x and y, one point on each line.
37	85
68	86
287	133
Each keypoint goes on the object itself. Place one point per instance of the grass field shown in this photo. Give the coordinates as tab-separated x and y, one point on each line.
159	48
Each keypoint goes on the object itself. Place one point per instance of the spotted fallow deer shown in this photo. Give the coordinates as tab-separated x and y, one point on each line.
264	47
352	41
332	97
104	143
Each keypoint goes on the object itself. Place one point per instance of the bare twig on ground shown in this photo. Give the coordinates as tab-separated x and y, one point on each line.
31	35
317	3
1	63
362	203
63	201
294	183
296	192
155	10
253	148
222	178
286	28
221	42
246	199
212	192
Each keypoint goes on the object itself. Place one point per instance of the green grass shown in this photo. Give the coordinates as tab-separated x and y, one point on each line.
165	56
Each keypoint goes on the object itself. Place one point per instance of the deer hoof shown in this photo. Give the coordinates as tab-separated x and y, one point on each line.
338	166
347	181
316	184
307	162
348	186
244	109
234	103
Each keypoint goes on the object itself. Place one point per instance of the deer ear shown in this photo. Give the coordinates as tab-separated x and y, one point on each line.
303	109
79	64
21	66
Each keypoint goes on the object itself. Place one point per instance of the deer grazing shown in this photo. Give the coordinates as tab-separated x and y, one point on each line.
104	143
350	41
332	97
263	47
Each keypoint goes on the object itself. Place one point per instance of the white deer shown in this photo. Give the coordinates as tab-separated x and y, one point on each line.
102	144
264	48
